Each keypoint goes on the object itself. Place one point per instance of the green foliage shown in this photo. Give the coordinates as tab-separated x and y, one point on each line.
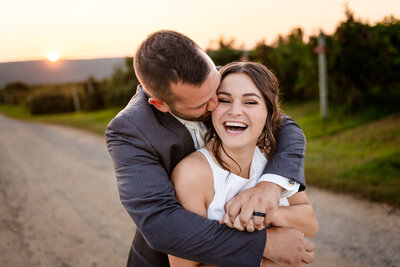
225	53
120	88
14	93
366	65
363	64
95	121
356	153
292	62
92	97
50	101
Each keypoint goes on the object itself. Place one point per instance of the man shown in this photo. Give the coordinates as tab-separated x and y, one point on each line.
161	125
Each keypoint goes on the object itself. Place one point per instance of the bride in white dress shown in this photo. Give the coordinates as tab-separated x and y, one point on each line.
237	148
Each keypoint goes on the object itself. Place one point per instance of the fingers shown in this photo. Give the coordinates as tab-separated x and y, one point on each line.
232	208
258	222
250	226
225	220
270	209
245	216
238	225
308	245
307	257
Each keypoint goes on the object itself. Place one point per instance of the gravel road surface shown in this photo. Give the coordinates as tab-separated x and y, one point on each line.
59	206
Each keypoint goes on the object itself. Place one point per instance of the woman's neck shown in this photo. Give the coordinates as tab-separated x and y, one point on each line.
242	156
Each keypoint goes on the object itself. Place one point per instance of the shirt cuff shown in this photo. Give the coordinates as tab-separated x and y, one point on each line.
291	186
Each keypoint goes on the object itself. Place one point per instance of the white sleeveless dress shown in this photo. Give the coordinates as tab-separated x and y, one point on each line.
227	185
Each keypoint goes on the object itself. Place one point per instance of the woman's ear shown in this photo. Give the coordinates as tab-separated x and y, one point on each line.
159	104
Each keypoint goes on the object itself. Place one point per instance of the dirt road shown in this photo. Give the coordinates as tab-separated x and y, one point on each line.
59	206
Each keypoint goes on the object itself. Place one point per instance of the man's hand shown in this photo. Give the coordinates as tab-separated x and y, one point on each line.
287	246
262	198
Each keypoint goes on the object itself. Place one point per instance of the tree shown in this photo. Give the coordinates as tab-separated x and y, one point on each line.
225	53
15	93
120	88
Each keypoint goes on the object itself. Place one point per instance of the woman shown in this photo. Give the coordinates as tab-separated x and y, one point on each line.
238	145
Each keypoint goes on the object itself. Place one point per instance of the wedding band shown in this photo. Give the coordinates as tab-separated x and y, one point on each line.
261	214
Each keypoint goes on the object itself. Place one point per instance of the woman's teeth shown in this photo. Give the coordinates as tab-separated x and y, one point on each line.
235	127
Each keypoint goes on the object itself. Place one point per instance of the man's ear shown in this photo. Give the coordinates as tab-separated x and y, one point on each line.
159	104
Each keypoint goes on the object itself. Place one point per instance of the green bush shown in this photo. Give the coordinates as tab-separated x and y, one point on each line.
366	65
294	64
49	102
15	93
119	89
225	53
91	97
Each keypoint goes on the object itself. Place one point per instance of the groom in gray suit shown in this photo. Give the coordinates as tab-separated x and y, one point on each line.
164	122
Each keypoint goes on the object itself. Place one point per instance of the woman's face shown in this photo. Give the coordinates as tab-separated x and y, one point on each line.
240	116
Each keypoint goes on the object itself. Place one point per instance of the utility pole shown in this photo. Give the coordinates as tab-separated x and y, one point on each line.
75	98
323	84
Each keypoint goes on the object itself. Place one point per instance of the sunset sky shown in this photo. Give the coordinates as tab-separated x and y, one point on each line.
31	30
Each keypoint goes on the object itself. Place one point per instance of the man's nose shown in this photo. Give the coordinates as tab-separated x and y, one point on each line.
212	104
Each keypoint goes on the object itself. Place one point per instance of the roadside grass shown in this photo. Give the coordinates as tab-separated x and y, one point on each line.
358	154
353	154
364	160
94	121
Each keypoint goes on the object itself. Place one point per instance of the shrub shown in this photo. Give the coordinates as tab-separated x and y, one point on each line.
50	101
367	65
119	89
92	98
15	93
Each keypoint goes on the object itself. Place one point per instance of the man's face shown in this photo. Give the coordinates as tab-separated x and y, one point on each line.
193	102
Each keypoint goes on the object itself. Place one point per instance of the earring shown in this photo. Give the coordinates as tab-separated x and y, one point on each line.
265	141
213	137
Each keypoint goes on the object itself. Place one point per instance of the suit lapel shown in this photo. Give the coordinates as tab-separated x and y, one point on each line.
168	121
172	124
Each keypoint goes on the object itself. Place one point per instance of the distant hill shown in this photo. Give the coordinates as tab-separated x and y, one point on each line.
63	71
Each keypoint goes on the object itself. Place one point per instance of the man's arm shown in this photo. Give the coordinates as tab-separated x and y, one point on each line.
148	195
288	159
287	162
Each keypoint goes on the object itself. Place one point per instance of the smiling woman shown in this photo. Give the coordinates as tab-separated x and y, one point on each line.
53	56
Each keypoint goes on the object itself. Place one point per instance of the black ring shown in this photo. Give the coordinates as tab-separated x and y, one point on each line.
261	214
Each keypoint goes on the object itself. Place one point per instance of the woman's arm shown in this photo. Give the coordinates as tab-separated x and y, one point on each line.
194	188
299	215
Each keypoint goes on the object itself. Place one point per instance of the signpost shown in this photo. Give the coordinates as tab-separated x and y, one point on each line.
323	85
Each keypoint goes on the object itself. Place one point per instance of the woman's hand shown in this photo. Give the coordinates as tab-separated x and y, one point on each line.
262	198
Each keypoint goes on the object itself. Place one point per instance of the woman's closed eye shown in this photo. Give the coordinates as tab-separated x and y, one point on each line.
223	100
251	102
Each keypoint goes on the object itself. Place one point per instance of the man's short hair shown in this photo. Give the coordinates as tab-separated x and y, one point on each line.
166	57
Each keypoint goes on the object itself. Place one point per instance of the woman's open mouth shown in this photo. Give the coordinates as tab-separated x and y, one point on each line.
235	127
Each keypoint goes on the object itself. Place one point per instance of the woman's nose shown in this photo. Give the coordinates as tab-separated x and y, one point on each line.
236	108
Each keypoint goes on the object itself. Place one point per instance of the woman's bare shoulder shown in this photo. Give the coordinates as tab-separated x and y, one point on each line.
195	163
194	182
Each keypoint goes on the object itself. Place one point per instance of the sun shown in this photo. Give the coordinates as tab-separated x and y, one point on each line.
53	56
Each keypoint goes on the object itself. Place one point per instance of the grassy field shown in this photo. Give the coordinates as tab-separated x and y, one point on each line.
92	121
358	155
354	154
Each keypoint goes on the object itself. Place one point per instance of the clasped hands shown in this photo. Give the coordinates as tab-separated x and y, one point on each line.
263	198
285	246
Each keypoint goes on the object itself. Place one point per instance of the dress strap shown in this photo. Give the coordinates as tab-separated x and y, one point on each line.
209	158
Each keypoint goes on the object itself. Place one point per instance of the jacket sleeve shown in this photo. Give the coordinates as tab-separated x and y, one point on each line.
288	159
149	197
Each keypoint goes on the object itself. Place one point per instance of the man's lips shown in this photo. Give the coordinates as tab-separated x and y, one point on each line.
234	127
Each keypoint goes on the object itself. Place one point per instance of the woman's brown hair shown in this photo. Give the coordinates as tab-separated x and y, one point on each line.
268	85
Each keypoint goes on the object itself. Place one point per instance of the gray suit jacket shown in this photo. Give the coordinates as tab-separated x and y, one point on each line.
145	146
